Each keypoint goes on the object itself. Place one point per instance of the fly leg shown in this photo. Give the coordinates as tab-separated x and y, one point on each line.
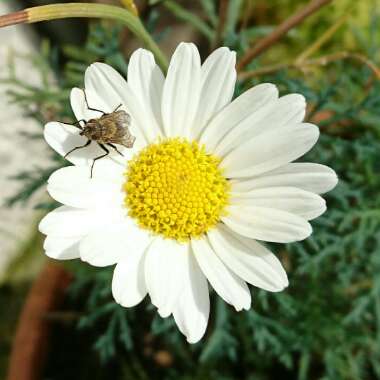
77	147
115	148
117	108
76	124
90	108
98	158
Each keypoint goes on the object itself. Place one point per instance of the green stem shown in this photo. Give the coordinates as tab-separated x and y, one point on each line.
69	10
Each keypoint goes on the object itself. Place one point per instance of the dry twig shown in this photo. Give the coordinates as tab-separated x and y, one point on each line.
223	8
280	31
320	61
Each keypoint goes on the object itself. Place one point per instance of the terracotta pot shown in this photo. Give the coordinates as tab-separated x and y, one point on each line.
31	341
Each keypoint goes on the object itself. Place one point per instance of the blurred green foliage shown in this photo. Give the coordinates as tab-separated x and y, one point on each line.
326	325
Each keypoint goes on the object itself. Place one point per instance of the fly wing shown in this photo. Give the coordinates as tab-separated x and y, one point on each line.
128	140
119	118
122	118
123	137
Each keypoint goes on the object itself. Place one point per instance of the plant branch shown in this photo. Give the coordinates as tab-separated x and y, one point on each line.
280	31
321	61
88	10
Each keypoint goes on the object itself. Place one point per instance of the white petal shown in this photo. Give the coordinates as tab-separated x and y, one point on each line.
62	248
107	84
165	263
291	199
192	309
114	90
113	242
270	150
307	176
72	186
181	91
102	247
267	224
67	221
240	109
146	81
248	259
229	286
128	283
218	77
67	226
288	110
63	138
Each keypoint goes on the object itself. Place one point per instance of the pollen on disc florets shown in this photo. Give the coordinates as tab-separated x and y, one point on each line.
175	189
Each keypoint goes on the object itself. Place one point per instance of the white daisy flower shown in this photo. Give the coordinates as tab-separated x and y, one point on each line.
206	179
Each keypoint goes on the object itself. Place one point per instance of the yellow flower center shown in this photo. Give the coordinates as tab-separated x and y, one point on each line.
175	189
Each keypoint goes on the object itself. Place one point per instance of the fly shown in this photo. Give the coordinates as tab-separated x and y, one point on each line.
108	130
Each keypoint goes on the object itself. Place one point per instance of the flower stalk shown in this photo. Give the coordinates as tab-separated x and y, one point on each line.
87	10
